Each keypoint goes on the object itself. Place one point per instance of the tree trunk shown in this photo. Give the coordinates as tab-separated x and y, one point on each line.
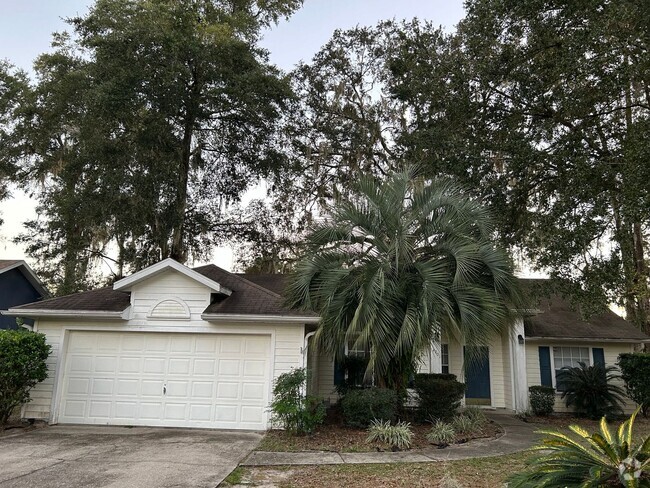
178	250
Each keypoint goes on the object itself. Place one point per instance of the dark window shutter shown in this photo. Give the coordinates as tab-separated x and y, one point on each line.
599	356
545	366
339	373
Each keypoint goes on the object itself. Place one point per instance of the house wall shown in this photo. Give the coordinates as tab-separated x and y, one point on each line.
15	290
498	370
286	339
611	350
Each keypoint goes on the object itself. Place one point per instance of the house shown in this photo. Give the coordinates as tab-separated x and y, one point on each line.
180	347
18	285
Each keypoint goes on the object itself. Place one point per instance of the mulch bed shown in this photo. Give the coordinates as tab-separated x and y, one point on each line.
335	437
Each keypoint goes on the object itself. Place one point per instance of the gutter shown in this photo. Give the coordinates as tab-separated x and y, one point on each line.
292	319
73	314
586	339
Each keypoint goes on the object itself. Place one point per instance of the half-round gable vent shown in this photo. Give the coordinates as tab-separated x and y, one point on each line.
169	308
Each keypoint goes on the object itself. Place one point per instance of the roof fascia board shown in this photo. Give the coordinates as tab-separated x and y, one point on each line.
221	317
126	283
586	339
79	314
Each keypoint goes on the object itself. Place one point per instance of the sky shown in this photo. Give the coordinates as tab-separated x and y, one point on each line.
26	27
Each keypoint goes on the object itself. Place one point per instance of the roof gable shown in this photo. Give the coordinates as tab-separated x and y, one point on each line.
9	264
126	284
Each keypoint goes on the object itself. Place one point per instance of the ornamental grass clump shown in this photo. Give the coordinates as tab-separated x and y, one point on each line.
397	437
465	425
476	415
441	433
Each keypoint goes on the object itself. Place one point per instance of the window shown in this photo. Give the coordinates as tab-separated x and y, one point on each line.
568	357
444	358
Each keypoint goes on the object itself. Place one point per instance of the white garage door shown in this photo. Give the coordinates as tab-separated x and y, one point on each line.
174	380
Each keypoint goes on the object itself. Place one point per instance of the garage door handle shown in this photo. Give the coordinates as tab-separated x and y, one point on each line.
164	389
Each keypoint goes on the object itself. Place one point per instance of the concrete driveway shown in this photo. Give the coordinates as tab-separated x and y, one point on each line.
84	456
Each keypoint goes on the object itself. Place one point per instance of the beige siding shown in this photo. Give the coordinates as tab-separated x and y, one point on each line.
287	352
325	373
611	350
169	284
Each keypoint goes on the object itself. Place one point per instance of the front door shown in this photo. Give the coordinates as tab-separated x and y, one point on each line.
477	377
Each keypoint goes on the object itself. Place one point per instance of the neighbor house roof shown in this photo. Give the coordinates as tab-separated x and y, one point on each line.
28	273
246	298
556	318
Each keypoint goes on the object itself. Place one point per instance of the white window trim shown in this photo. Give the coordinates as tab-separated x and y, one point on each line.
552	354
442	365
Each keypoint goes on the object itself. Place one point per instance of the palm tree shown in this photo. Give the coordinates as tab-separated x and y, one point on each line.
394	265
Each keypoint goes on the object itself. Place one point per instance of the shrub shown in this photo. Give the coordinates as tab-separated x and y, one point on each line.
360	407
398	436
22	366
635	371
292	409
542	399
441	433
589	390
602	459
439	395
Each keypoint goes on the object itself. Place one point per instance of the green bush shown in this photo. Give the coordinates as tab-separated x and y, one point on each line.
603	459
22	366
361	407
439	395
296	412
542	399
398	436
589	390
635	371
441	433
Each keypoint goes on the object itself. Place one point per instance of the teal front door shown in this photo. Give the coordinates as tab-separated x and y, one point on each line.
477	377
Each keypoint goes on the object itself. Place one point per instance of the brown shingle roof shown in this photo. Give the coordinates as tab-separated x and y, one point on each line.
558	319
274	282
248	297
101	300
5	263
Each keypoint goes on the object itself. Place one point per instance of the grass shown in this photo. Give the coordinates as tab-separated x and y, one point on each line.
481	473
234	478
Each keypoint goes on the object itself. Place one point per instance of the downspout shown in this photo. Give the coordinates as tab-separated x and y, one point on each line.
305	357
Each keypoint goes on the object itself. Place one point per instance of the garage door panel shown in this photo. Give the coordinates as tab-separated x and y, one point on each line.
103	386
202	380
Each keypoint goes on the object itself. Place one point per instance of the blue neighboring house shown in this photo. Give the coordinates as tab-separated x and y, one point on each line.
18	285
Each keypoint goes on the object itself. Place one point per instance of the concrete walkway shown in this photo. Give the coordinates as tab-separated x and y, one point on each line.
517	436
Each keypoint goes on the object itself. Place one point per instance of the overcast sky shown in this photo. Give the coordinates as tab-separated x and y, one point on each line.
26	27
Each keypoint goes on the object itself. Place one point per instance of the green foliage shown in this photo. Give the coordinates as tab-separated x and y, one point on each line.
466	425
354	368
439	395
441	433
145	123
476	416
603	458
374	272
542	399
291	408
398	436
590	391
22	366
361	407
635	371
